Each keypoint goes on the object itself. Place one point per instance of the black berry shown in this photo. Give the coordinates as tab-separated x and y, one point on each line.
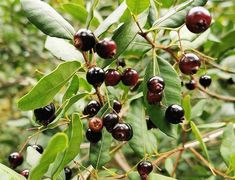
84	40
38	147
106	48
96	124
15	159
95	76
130	77
205	81
112	77
92	136
154	98
45	115
144	168
121	62
92	108
155	84
25	173
117	106
110	120
191	85
174	114
122	132
68	173
189	64
150	124
198	19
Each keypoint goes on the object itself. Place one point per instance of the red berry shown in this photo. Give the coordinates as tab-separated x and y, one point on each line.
174	114
112	77
25	173
130	77
45	115
84	40
189	64
106	48
68	173
198	19
122	132
15	159
93	137
95	76
92	108
191	85
38	147
96	124
117	106
155	84
110	120
205	81
144	168
154	98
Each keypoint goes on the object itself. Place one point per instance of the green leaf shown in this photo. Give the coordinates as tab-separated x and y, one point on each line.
167	3
176	16
211	125
9	174
57	144
45	18
171	94
33	156
137	6
187	107
45	90
72	88
227	148
75	138
232	163
136	118
111	19
152	176
198	109
91	12
198	136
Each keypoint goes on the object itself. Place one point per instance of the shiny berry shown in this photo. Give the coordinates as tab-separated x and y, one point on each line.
150	124
92	136
155	84
68	173
205	81
38	147
130	77
96	124
25	173
191	85
117	106
84	40
110	120
106	48
198	20
154	98
95	76
144	168
121	62
112	77
189	64
174	114
92	108
15	159
45	115
122	132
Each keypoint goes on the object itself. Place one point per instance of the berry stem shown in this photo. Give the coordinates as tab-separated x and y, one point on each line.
86	59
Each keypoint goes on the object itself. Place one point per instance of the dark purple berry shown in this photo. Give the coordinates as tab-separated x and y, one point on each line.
205	81
144	168
25	173
154	98
130	77
112	77
95	76
15	159
45	115
84	40
189	64
198	20
191	85
155	84
96	124
68	173
110	120
122	132
174	114
38	147
92	136
106	48
92	108
150	124
121	62
117	106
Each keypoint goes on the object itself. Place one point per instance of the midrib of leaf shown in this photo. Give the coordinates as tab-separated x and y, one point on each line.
101	146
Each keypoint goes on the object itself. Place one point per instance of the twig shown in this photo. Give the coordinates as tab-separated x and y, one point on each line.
220	68
97	89
122	162
86	59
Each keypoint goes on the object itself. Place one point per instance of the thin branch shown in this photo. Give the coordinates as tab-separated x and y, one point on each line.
122	162
101	100
220	68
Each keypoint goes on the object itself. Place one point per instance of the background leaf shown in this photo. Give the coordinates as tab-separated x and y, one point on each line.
187	107
152	176
137	6
72	88
9	174
91	12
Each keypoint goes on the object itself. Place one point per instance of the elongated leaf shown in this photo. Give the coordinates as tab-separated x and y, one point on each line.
57	144
47	19
152	176
136	117
171	94
176	16
91	12
198	136
187	107
111	19
198	109
9	174
232	163
72	89
75	138
45	90
137	6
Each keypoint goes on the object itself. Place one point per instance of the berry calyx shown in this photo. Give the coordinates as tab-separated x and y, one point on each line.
122	132
205	81
144	168
38	147
110	120
189	64
117	106
84	40
154	98
106	48
45	115
25	173
156	84
198	19
130	77
191	85
96	124
68	173
92	108
174	114
95	76
15	159
92	136
112	77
